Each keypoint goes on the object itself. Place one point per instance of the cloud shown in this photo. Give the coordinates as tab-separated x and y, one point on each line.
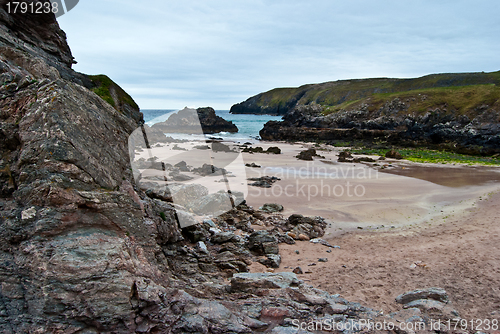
171	54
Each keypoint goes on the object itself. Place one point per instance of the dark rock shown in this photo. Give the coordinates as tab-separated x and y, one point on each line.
258	149
195	121
392	154
311	227
323	259
273	150
262	242
223	237
263	181
298	271
345	156
271	207
271	260
253	165
308	155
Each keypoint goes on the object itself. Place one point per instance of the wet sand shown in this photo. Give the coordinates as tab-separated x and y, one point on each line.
352	196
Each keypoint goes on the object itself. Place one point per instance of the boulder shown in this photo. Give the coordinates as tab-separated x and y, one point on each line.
263	242
438	294
308	155
271	207
250	282
271	260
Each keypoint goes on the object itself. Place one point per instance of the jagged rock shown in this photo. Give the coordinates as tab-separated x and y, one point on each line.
253	165
223	237
271	207
311	227
271	260
438	129
195	121
250	282
298	271
263	242
212	204
207	169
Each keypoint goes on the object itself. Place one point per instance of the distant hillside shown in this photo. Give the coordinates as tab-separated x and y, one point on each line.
460	91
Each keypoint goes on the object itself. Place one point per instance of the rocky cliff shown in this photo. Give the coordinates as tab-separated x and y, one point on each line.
84	250
474	132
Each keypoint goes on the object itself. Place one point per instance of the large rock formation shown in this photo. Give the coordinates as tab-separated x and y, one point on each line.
477	133
189	121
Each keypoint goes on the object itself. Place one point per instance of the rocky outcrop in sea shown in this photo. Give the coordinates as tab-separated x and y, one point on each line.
389	125
189	121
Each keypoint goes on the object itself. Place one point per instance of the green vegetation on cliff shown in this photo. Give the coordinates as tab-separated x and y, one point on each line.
460	91
110	92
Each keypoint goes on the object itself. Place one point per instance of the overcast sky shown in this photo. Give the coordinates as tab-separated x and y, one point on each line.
171	54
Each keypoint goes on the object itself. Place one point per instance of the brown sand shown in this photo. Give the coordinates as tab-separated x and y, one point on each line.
440	228
461	256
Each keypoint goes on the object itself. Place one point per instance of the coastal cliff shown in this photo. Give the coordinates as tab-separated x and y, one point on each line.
83	249
457	112
341	94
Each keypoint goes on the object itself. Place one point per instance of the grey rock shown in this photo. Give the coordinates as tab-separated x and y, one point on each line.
263	242
271	207
249	282
438	294
271	260
223	237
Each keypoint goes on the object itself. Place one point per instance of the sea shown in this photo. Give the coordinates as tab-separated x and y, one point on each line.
248	125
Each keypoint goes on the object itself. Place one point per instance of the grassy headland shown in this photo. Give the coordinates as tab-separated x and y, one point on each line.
461	91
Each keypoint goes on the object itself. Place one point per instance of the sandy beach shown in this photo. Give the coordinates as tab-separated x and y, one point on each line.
399	225
417	226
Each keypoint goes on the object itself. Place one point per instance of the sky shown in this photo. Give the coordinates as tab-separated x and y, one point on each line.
171	54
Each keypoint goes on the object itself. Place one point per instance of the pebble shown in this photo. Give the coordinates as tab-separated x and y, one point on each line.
298	271
323	259
297	252
329	251
312	264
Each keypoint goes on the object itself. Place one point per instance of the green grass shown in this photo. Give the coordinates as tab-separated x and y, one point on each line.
432	156
103	87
